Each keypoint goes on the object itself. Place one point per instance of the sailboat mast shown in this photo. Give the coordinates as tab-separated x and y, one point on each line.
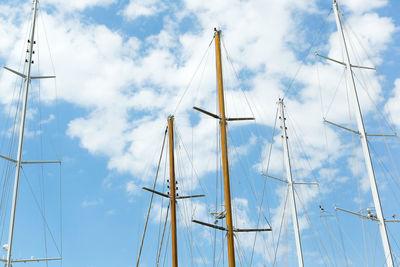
31	42
364	143
290	184
173	193
225	165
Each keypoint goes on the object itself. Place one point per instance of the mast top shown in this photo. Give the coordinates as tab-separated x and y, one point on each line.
216	30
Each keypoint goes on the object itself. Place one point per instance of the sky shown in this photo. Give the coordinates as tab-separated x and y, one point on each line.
123	67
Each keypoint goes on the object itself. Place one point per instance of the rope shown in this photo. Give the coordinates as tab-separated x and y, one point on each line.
151	198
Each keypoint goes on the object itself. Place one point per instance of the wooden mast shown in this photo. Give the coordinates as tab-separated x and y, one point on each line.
172	188
225	165
172	196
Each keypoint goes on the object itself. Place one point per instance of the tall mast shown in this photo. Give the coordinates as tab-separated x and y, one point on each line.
290	184
31	41
172	196
172	188
225	165
364	143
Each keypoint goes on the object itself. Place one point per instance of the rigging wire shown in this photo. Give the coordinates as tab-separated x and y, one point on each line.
332	239
12	143
367	90
354	247
341	238
280	228
363	86
325	132
11	147
162	238
384	168
184	211
330	172
376	245
192	78
264	188
151	198
307	216
41	213
60	215
229	59
347	27
302	152
253	190
334	95
57	149
167	247
355	163
306	55
217	178
41	174
191	161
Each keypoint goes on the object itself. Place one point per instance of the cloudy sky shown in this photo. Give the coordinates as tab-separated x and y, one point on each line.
123	67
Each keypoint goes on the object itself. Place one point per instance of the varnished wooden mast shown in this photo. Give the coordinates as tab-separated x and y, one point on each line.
225	165
173	193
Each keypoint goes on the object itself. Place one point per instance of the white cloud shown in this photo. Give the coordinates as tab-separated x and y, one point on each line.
132	188
78	5
128	87
110	212
392	106
92	203
124	113
49	119
359	6
145	8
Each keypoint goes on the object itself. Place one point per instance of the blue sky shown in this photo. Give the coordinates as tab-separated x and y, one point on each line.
123	66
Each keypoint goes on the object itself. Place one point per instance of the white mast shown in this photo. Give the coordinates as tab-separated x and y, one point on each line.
290	184
31	41
364	143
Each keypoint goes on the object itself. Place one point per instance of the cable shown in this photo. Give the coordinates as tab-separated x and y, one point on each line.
151	198
191	79
162	238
